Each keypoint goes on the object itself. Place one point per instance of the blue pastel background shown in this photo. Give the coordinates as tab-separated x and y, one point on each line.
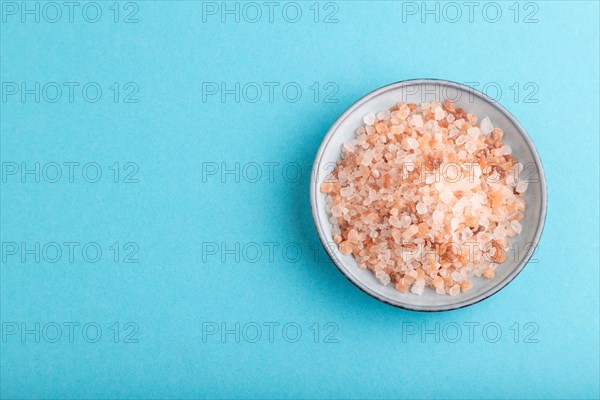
175	213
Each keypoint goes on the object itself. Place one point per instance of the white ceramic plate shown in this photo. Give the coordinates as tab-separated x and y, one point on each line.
418	91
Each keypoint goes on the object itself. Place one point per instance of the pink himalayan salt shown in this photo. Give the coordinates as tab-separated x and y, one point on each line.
404	226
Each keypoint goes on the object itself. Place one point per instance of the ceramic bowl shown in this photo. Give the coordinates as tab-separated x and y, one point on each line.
417	91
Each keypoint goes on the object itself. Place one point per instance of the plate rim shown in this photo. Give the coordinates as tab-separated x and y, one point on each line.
356	282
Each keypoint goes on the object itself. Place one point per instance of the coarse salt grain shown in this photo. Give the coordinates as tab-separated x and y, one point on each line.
486	126
416	121
395	222
348	147
385	114
521	186
516	226
369	119
506	150
474	132
412	143
471	146
439	113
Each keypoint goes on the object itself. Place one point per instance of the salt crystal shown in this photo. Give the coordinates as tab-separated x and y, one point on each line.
470	146
499	232
456	276
418	290
521	186
421	208
336	229
466	234
412	143
411	231
353	236
403	111
367	158
346	191
465	285
474	132
454	290
385	114
486	126
439	113
369	119
345	247
454	223
383	277
516	226
348	147
416	121
461	139
336	211
446	196
395	222
428	200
